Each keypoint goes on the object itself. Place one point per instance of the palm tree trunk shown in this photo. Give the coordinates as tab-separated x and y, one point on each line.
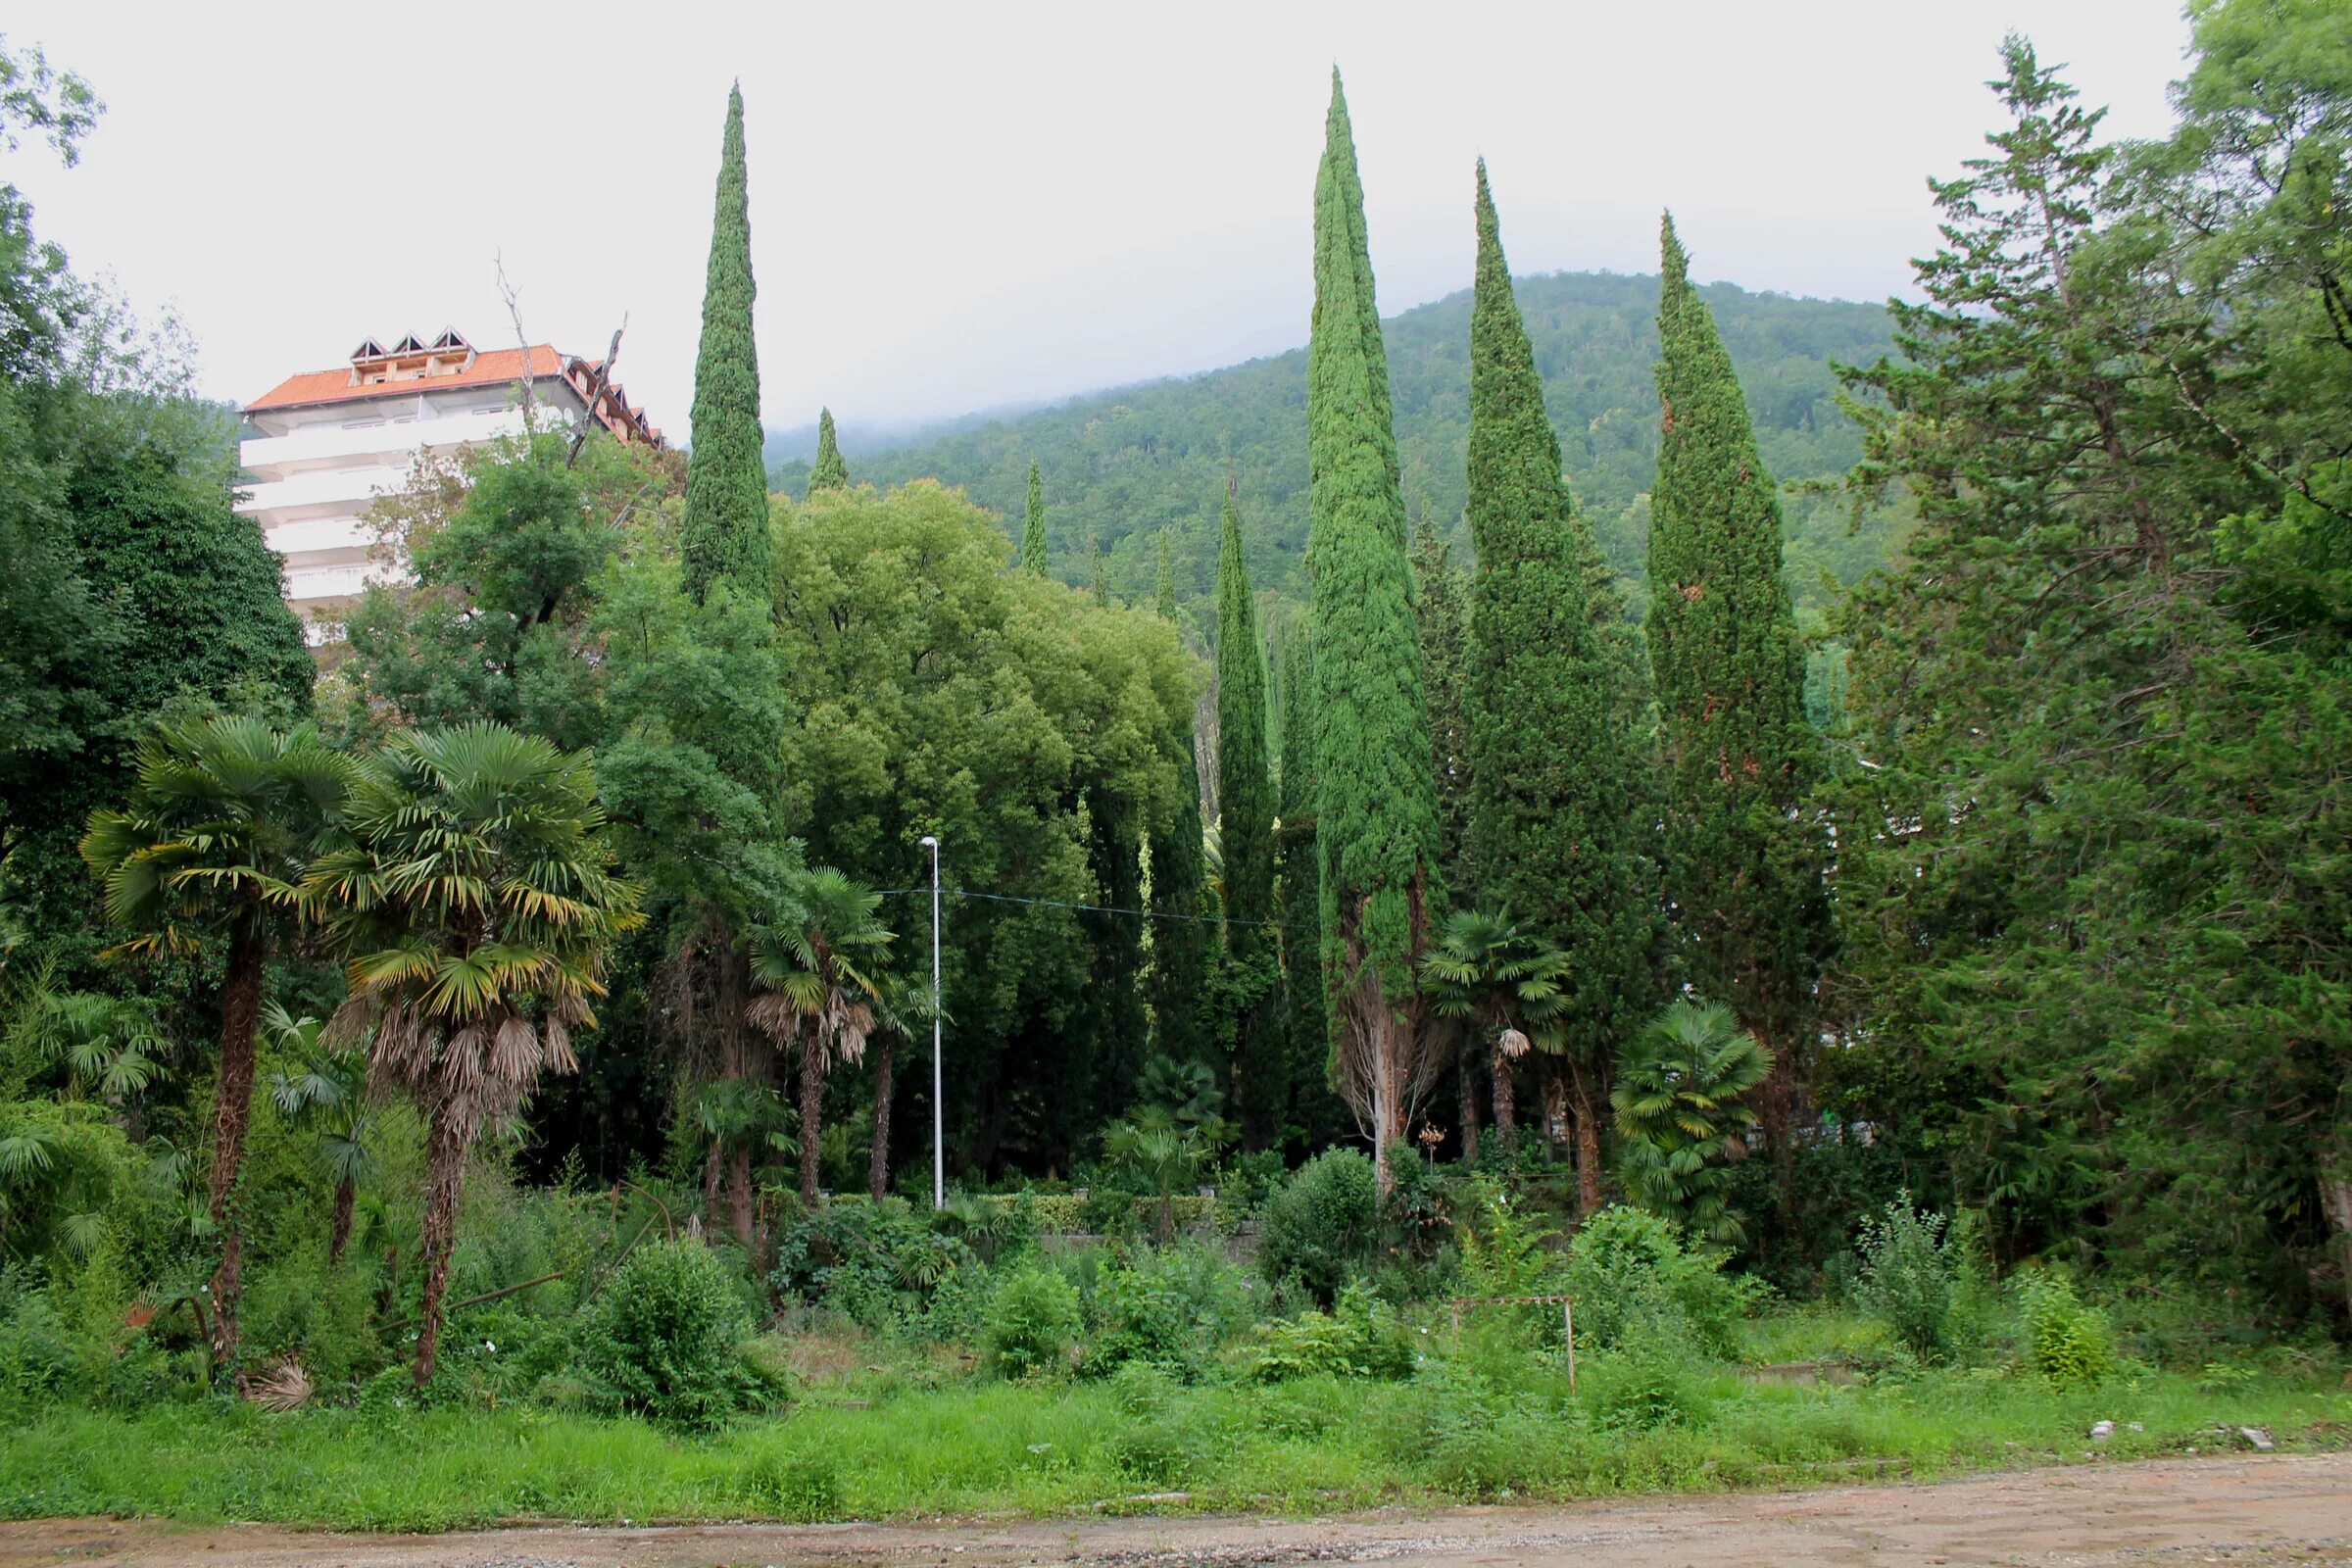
232	1111
444	1181
714	1166
1466	1087
812	1092
735	1063
1588	1146
1506	1122
885	1049
338	1234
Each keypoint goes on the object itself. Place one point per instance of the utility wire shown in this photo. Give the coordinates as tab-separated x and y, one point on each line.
1090	908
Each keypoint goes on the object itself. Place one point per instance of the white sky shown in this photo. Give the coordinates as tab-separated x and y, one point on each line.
960	206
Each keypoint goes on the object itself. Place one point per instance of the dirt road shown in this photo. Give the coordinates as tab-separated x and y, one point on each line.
2278	1509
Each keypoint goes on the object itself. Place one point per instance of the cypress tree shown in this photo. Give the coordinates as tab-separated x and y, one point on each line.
1181	938
725	528
1033	526
1099	585
1442	611
829	472
1313	1110
1163	584
1246	807
1550	834
1743	868
1376	817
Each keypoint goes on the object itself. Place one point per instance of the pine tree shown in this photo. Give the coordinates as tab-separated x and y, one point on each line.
830	473
1376	817
726	529
1033	526
1743	867
1245	826
1550	833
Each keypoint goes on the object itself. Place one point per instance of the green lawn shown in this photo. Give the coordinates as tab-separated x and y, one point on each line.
886	1446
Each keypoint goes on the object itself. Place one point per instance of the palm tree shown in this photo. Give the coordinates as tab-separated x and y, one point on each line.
816	970
1164	1154
473	905
326	1089
221	820
1501	983
903	1006
1680	1114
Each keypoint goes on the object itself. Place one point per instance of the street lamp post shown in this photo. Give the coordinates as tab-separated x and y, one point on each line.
938	1121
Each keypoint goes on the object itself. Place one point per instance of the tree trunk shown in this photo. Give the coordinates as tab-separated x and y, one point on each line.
736	1062
812	1094
885	1053
444	1181
338	1234
1506	1120
232	1111
714	1166
1467	1087
1588	1148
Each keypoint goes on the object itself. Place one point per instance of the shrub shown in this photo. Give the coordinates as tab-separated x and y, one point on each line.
1907	1275
1644	1384
1359	1338
878	1264
1170	1307
1320	1228
667	1338
2067	1339
1033	1320
1628	1270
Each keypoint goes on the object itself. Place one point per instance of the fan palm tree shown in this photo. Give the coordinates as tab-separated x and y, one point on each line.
817	968
1164	1154
222	818
1680	1118
1500	982
324	1089
473	905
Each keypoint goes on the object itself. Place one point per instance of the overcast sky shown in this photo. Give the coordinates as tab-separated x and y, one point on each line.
955	207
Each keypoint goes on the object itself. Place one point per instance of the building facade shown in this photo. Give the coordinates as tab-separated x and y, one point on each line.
326	444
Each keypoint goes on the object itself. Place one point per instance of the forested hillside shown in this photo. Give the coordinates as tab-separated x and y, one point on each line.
1121	464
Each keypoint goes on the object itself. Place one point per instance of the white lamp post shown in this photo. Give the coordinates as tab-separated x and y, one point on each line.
939	1142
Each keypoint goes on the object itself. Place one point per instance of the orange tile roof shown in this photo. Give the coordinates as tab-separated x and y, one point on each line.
490	367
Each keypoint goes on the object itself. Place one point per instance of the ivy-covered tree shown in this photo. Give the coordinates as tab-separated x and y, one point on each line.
1551	829
726	529
1376	817
1743	853
829	472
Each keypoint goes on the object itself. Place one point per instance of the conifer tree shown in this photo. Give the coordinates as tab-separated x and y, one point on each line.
726	529
1441	612
1743	867
1376	818
1099	584
1163	584
1033	526
1313	1108
830	473
1183	938
1245	823
1550	833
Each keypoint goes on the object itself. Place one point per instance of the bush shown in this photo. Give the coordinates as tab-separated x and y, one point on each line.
1033	1320
1359	1338
1643	1384
1170	1307
1907	1276
2067	1339
667	1338
1320	1228
1629	1272
877	1264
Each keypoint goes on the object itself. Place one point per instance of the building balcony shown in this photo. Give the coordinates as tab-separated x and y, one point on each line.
323	492
325	446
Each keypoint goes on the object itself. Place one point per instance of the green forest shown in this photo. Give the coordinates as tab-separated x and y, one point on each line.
1606	885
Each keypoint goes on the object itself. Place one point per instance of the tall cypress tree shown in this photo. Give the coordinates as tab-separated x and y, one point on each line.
829	472
1743	867
1442	611
1033	526
1163	583
1183	937
1098	585
1245	826
726	529
1313	1108
1550	835
1376	818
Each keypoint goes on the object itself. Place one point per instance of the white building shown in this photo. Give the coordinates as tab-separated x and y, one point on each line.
327	443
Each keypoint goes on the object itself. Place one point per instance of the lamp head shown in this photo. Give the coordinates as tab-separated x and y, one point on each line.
928	842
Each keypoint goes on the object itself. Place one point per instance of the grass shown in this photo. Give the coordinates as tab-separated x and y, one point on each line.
887	1445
